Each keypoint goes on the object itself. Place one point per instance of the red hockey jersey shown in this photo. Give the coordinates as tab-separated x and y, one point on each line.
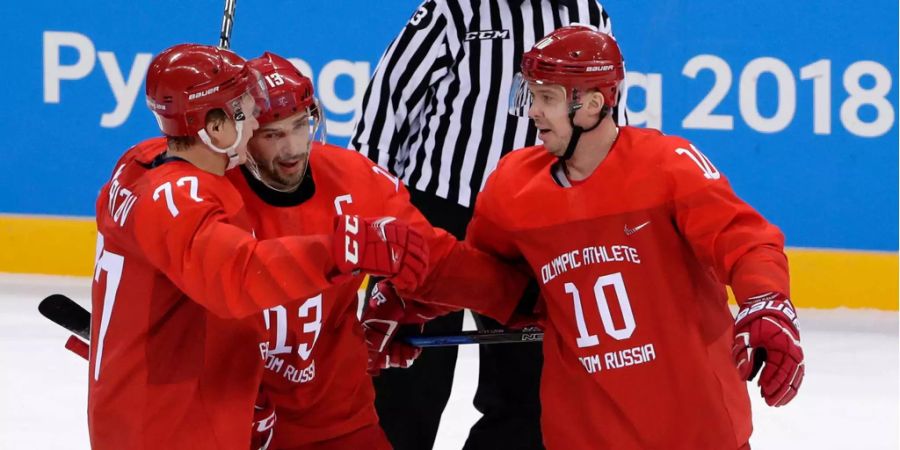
632	264
316	366
178	337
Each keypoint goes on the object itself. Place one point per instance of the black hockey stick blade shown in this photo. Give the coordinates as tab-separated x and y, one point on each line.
66	313
531	334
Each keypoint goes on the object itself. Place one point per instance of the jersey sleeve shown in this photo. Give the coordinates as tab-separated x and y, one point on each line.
487	233
414	61
724	232
185	233
459	275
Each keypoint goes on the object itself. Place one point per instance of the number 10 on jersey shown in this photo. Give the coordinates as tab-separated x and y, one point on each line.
587	339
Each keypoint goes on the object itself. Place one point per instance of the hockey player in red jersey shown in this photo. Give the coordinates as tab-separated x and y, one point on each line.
178	336
633	236
316	371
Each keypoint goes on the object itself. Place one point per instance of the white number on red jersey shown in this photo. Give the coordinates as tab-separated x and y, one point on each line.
166	189
587	339
112	264
310	326
311	309
705	165
381	171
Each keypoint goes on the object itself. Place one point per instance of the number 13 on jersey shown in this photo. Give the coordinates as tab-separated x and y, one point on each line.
310	313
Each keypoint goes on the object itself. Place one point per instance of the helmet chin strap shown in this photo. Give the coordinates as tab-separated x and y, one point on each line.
577	130
231	151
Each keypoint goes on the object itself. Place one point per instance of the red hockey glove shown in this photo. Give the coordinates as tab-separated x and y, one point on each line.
766	330
263	422
385	312
381	246
78	347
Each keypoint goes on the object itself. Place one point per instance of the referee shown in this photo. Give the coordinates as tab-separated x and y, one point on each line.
435	114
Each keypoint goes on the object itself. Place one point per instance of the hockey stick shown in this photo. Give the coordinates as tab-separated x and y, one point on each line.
530	334
64	312
61	309
70	315
227	23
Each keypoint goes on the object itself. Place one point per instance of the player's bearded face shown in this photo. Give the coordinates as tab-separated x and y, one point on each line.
281	150
549	111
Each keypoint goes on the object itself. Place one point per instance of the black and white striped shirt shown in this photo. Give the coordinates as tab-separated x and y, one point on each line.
435	112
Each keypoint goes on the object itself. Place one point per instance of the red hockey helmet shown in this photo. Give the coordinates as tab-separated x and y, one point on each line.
289	90
186	81
578	58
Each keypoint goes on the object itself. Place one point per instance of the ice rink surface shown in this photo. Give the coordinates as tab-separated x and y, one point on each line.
849	399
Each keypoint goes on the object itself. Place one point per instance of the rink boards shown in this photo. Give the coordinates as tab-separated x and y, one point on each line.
799	115
820	278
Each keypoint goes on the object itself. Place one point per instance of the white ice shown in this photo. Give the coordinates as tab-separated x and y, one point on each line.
849	399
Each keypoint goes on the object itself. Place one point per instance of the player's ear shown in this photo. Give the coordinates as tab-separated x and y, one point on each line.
595	102
215	121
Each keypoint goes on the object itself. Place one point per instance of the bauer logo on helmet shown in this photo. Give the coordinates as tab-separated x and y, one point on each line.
201	94
605	68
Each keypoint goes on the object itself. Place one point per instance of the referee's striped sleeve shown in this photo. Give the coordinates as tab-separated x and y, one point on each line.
599	17
418	57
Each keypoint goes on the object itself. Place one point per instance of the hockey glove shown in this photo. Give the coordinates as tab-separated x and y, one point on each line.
384	314
78	347
263	422
766	330
381	246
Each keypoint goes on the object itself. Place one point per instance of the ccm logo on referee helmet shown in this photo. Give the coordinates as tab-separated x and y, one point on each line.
482	35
